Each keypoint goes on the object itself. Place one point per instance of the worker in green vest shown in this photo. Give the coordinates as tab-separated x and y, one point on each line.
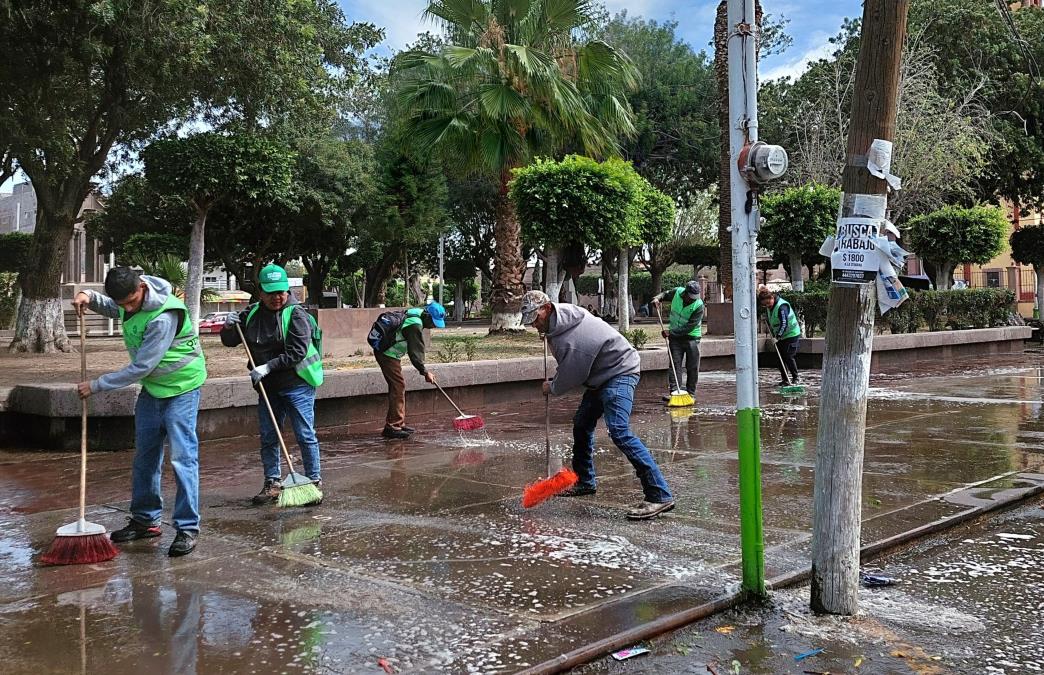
393	336
783	324
167	360
683	334
283	339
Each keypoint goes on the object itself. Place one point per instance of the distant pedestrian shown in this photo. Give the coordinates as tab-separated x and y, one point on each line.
683	334
280	335
166	358
393	336
593	354
786	331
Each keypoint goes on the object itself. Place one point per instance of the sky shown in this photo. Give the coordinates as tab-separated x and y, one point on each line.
812	22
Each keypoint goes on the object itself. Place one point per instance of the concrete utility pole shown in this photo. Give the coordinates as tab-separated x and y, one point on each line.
850	322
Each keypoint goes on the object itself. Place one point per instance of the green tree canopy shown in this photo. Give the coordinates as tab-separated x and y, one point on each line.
1027	248
13	249
954	235
797	220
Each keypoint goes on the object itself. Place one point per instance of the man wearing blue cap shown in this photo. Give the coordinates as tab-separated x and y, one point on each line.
406	337
282	339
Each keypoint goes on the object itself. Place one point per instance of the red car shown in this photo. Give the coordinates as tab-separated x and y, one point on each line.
213	322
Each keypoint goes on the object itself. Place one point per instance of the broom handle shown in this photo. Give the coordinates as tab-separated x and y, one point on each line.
670	358
443	392
271	413
547	415
783	366
83	422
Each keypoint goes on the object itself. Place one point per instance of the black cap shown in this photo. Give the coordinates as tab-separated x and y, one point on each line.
692	289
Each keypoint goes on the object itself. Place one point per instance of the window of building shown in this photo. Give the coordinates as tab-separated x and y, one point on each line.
993	279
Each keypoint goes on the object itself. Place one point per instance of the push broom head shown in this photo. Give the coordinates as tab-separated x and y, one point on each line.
79	543
791	390
681	399
469	423
542	490
299	490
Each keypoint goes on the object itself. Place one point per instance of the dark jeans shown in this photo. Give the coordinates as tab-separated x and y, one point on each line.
788	350
685	350
297	403
614	400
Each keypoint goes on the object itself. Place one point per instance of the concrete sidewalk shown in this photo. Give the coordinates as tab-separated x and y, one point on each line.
422	555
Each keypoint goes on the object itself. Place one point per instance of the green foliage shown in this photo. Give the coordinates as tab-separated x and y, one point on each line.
8	298
455	349
638	337
810	306
798	219
955	234
14	249
698	255
656	214
639	284
1027	246
151	246
135	207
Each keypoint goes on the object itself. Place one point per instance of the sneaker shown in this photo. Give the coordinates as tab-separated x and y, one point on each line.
646	510
184	543
579	491
392	432
135	530
269	492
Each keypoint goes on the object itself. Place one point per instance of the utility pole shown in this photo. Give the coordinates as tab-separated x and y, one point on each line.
850	317
753	163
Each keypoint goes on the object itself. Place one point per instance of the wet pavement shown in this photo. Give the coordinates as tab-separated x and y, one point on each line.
966	601
422	556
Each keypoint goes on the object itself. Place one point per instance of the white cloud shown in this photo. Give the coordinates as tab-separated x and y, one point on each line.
796	67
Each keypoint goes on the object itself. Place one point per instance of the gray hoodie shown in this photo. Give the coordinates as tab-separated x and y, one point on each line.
159	335
589	351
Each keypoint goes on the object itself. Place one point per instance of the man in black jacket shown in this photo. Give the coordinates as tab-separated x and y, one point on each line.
279	334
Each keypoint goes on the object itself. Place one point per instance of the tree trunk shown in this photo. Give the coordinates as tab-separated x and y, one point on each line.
837	501
624	292
797	279
376	286
317	272
553	271
721	76
194	274
40	326
944	275
656	277
1039	271
508	266
417	289
458	302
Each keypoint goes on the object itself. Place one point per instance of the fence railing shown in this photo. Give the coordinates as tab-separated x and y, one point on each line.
1022	281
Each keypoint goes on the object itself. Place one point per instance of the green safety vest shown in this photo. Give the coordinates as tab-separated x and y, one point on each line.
398	348
793	328
310	368
182	368
682	314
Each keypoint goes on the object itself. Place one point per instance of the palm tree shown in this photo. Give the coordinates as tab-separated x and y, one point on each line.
513	83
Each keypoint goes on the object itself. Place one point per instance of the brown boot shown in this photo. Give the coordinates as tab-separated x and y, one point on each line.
269	493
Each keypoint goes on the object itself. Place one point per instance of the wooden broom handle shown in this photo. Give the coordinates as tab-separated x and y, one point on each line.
443	392
264	396
83	420
547	415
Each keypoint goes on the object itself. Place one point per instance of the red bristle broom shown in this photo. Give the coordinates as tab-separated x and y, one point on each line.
557	481
463	422
81	543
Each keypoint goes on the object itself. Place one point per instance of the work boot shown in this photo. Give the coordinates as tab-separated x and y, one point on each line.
580	491
407	429
135	530
184	543
269	493
645	510
392	432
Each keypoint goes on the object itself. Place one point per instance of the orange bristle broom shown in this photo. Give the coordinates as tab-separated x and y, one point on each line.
556	482
81	543
464	422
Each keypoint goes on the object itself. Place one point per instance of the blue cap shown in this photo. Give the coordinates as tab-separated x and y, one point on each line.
437	313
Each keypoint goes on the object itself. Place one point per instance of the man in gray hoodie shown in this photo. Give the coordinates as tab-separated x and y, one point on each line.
593	354
166	358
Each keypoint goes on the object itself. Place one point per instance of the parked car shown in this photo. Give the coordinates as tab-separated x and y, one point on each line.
213	322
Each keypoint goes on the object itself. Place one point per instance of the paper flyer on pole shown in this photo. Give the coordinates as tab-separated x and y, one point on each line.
854	258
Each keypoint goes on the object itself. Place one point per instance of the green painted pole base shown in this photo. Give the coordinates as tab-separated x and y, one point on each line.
752	536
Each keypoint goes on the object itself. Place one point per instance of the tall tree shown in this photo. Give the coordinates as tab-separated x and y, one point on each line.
89	76
205	168
797	220
512	83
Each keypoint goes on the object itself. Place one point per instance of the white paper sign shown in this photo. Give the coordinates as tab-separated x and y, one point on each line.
854	259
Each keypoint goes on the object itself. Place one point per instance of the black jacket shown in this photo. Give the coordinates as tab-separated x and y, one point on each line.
264	336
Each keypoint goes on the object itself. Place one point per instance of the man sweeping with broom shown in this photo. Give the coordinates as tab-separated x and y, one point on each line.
786	331
683	336
166	358
593	354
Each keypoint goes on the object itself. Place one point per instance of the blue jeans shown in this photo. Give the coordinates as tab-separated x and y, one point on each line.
614	400
174	420
299	404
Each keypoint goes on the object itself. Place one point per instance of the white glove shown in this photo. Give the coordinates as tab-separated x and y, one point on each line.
257	374
232	319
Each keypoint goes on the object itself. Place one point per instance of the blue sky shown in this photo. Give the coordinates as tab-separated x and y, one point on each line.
811	23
